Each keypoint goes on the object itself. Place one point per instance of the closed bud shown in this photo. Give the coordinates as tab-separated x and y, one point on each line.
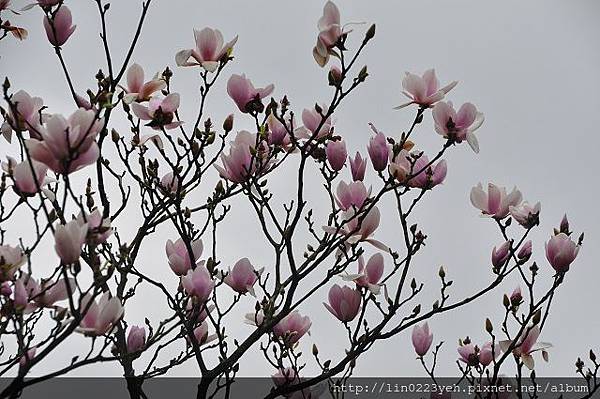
228	123
315	350
442	272
114	135
537	317
592	356
488	326
370	33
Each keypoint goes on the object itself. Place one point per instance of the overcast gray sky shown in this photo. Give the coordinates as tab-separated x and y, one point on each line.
531	67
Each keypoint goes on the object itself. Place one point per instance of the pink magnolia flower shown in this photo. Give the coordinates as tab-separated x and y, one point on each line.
285	376
368	276
487	354
26	116
561	251
11	259
245	95
400	166
20	295
201	334
208	52
139	90
501	254
292	327
26	180
46	294
353	194
527	345
424	90
496	202
136	339
422	339
314	125
468	354
379	151
336	154
61	27
198	283
516	297
279	133
100	316
424	176
525	251
330	30
344	302
68	145
179	256
242	277
360	228
69	239
160	112
170	183
458	126
98	228
240	163
525	214
358	166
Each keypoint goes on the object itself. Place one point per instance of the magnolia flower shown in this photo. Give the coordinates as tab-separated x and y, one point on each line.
400	166
240	163
360	228
160	112
426	177
487	353
424	90
245	95
285	376
68	145
525	251
422	339
379	151
527	345
313	123
561	251
179	255
278	132
137	89
100	316
208	52
496	202
468	354
292	327
136	339
336	154
11	259
242	277
201	334
330	30
501	254
28	177
61	27
516	297
358	166
98	228
20	295
170	183
458	126
197	312
69	239
46	294
198	283
368	276
525	214
351	195
344	302
28	115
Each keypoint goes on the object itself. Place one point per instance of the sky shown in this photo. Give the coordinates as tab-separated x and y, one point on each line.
530	67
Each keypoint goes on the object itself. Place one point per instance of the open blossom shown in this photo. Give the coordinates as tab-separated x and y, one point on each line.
98	228
139	90
468	354
368	276
160	112
170	182
379	151
100	316
210	49
292	327
26	116
61	27
400	166
501	254
27	181
245	95
313	123
68	145
458	126
136	339
527	345
424	90
360	228
198	283
525	214
239	164
69	239
353	194
561	251
496	202
336	154
278	132
358	166
427	176
11	259
344	302
242	277
487	353
179	256
330	31
46	294
422	339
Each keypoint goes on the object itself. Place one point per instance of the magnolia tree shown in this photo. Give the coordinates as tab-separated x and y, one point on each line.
155	170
